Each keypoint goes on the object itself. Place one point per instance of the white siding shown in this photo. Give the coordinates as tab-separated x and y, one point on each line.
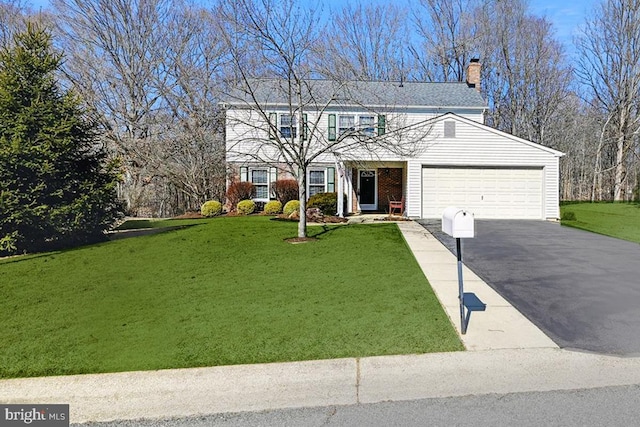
247	132
414	189
478	146
474	145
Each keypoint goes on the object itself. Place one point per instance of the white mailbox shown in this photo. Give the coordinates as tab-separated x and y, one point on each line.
457	222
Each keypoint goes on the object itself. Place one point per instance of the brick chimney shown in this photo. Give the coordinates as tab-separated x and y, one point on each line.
473	73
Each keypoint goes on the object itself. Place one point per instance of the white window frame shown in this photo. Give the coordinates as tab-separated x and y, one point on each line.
290	126
345	128
367	129
324	183
261	184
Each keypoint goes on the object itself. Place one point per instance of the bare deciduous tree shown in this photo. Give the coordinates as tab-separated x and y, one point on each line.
448	39
148	69
526	76
610	67
282	37
191	153
366	42
115	50
14	15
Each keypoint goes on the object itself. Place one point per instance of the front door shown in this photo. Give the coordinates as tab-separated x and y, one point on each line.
367	188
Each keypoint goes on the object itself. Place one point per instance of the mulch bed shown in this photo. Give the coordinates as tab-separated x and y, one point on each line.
297	240
392	218
325	220
189	215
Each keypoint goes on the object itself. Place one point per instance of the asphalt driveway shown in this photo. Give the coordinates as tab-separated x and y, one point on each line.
582	289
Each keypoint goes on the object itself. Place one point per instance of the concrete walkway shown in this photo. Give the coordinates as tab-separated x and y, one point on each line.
508	354
500	326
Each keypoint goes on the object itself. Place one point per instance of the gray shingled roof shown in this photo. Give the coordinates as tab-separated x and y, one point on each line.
367	93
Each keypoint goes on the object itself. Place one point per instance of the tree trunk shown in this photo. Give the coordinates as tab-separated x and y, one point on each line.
302	189
619	174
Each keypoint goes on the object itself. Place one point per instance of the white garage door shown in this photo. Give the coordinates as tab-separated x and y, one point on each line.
487	192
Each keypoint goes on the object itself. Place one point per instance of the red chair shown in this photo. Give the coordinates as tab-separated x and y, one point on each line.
396	207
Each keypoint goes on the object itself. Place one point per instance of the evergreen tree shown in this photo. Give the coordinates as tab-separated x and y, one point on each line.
56	187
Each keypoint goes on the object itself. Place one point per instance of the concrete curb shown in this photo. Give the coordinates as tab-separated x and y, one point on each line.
185	392
200	391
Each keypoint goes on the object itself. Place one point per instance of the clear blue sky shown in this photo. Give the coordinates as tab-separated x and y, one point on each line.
566	15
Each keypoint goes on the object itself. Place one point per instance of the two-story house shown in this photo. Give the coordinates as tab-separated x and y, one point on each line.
420	142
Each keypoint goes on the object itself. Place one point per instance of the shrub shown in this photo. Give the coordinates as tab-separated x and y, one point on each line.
285	190
291	207
326	202
568	216
273	207
211	208
239	191
246	207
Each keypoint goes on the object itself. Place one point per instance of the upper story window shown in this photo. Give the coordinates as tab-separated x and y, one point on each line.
366	125
346	124
288	128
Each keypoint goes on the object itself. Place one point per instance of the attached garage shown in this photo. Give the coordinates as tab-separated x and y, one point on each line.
488	192
491	173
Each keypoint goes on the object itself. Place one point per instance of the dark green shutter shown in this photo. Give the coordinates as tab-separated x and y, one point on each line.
382	122
331	180
332	127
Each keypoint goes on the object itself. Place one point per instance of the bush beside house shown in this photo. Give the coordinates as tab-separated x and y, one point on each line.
285	190
291	207
326	202
273	207
239	191
211	208
246	207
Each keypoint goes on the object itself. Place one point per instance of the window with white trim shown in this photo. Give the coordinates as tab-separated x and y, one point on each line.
366	125
288	128
346	124
317	181
260	180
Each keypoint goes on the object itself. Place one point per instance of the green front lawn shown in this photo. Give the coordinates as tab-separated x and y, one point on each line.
621	220
225	291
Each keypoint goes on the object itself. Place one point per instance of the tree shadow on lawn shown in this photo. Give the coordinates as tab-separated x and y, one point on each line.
137	232
109	236
26	257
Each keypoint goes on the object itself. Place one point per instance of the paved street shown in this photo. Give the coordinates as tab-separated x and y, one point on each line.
607	406
582	289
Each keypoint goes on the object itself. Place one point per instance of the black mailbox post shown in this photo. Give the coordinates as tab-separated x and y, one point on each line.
459	224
